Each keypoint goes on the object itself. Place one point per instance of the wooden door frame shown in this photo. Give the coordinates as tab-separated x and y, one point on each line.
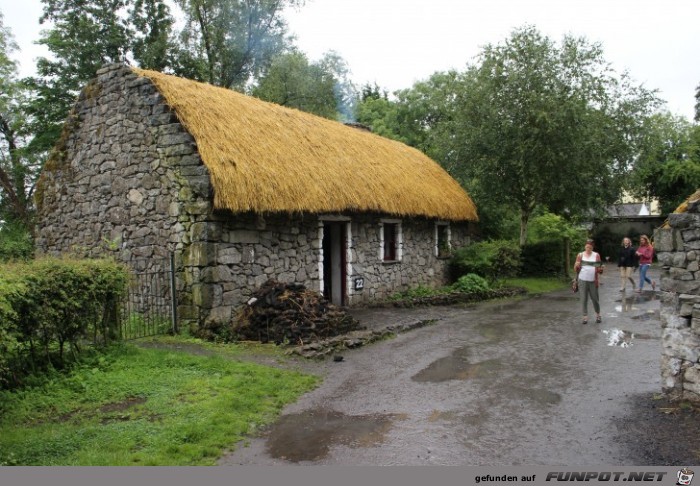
343	223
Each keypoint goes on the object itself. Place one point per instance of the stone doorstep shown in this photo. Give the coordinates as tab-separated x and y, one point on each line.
354	339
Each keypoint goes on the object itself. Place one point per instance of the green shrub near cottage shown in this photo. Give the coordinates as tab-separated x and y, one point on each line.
470	283
15	243
491	260
50	308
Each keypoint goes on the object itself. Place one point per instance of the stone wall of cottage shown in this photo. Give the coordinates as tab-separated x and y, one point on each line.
678	251
125	179
238	253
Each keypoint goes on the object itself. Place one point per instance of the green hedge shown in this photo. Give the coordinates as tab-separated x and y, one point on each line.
48	306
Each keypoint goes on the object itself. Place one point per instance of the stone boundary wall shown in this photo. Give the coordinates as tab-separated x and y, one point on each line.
678	251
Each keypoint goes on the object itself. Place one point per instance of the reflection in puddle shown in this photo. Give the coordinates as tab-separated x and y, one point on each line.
618	337
627	302
648	315
309	435
456	367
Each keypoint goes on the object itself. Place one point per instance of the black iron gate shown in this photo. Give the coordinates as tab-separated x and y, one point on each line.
150	306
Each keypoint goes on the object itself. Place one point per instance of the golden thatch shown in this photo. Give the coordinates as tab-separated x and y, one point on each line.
684	205
266	158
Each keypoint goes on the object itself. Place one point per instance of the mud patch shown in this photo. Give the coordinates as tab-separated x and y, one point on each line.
308	436
658	432
125	404
456	367
437	416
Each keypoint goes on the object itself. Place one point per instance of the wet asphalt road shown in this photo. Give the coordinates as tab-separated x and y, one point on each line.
498	383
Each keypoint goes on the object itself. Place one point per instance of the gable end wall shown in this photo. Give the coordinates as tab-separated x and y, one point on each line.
125	180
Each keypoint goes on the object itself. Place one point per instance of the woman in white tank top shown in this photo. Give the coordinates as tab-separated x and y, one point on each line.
588	266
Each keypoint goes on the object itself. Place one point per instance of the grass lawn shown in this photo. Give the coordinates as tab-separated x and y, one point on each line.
136	406
537	285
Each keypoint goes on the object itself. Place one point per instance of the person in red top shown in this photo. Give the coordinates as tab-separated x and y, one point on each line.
645	253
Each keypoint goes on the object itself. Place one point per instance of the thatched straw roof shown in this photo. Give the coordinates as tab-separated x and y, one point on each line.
266	158
684	205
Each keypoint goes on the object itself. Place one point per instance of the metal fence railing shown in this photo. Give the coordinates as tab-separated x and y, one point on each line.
150	306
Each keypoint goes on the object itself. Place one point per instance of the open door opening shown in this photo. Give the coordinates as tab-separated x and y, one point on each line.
334	273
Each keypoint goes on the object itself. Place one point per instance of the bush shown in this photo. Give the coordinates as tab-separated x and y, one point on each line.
546	258
15	243
48	305
489	259
469	283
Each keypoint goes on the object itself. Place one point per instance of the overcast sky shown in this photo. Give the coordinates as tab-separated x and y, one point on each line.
398	42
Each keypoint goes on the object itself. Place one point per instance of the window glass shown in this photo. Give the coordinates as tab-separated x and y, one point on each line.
390	241
443	240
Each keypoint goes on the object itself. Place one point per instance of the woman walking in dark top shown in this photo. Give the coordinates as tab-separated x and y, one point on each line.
626	262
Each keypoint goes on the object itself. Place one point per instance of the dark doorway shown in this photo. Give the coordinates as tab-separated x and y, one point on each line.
334	247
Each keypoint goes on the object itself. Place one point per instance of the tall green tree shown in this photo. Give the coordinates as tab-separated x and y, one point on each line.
153	45
321	88
18	163
540	124
83	35
375	110
668	166
229	42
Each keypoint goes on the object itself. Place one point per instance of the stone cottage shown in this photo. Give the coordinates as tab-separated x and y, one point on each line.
243	191
677	243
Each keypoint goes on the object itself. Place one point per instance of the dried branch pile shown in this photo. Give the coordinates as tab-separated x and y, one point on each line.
290	314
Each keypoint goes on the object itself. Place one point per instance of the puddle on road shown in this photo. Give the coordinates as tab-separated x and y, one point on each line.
648	315
456	367
308	436
624	339
494	331
538	395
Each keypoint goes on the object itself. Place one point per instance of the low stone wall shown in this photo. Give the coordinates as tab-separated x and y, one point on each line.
677	246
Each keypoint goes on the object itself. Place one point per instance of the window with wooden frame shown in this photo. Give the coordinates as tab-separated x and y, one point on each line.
443	244
390	236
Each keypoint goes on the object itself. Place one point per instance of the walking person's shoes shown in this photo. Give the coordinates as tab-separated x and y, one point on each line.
585	321
598	320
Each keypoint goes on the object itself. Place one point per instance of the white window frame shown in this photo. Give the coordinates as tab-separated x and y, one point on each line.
399	239
438	225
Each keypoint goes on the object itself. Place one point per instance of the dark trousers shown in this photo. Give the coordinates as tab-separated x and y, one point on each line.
588	289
